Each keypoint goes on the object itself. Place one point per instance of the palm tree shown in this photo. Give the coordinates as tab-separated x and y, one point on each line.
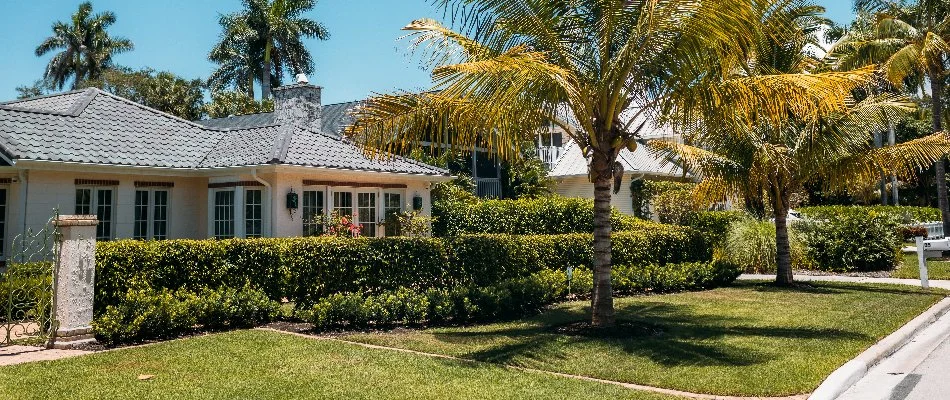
810	127
594	68
271	32
86	49
239	66
912	43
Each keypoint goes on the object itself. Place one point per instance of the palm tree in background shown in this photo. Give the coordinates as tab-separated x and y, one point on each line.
597	69
85	47
266	38
811	126
912	45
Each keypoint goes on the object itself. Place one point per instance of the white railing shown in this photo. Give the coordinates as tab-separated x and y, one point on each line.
934	229
488	188
549	155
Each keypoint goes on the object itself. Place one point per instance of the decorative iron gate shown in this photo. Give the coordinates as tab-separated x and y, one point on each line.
27	283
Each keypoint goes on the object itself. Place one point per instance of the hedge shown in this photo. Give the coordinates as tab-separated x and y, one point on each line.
304	270
491	258
714	225
903	214
504	300
551	215
147	314
853	241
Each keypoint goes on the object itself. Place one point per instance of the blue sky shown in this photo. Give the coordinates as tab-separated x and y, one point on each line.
362	56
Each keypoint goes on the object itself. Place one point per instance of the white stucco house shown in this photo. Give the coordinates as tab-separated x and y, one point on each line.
569	167
149	175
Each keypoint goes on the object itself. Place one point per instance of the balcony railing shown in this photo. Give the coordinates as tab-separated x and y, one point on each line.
488	188
549	155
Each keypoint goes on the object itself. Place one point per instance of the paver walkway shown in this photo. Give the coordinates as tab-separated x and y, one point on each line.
12	355
851	279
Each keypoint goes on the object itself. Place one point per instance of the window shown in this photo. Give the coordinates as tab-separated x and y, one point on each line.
343	204
151	215
224	214
366	203
97	201
392	206
253	213
312	213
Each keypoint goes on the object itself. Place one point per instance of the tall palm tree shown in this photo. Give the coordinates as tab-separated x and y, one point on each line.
271	32
239	65
814	128
86	48
594	68
912	43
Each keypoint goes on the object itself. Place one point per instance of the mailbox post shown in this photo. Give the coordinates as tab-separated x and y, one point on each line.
922	263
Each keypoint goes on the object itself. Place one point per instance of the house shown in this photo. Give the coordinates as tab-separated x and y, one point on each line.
569	166
149	175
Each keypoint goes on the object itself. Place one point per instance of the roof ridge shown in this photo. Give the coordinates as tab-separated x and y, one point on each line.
236	116
157	111
45	96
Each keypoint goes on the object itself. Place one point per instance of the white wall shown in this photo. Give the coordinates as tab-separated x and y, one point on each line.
283	223
50	190
580	187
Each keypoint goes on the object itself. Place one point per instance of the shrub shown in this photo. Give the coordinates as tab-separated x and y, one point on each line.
853	241
146	314
672	202
750	244
493	258
27	290
505	300
550	215
714	225
909	233
902	214
323	266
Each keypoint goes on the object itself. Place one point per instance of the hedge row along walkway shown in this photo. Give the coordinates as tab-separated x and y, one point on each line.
541	371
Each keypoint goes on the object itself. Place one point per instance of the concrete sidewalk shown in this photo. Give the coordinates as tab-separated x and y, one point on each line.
850	279
12	355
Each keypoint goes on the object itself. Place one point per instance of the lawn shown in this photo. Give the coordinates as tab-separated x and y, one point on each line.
750	340
910	268
268	365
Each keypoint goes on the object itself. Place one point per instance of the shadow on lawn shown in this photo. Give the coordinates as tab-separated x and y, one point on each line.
834	288
668	334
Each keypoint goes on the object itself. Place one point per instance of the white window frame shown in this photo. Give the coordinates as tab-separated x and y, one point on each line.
214	213
94	207
260	205
385	209
150	212
306	220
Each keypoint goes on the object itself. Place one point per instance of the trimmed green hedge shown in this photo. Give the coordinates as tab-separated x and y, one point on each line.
852	241
307	269
903	214
504	300
492	258
147	314
714	225
551	215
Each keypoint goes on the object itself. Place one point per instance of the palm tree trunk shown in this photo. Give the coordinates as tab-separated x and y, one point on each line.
265	79
602	302
783	248
891	141
250	86
936	91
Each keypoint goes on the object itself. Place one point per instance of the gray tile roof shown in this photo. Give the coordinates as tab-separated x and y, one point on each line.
92	126
335	118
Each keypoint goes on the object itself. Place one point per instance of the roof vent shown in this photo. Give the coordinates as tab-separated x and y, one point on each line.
302	78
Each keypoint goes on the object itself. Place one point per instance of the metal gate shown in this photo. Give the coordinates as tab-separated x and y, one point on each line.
27	282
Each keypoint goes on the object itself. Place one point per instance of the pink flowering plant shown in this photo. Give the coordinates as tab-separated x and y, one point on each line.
338	225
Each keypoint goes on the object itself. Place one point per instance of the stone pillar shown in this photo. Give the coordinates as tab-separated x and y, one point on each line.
75	279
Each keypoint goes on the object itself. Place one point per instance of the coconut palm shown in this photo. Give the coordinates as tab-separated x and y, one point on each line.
266	38
596	69
912	44
85	47
810	127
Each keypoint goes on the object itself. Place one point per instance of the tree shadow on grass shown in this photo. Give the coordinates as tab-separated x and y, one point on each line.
668	334
835	288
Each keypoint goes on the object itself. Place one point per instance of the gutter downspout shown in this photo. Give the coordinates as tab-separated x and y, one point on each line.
24	192
268	206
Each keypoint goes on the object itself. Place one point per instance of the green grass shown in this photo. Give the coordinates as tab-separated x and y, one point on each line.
750	340
910	268
267	365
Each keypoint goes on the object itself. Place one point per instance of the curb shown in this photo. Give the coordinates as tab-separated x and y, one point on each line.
852	371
